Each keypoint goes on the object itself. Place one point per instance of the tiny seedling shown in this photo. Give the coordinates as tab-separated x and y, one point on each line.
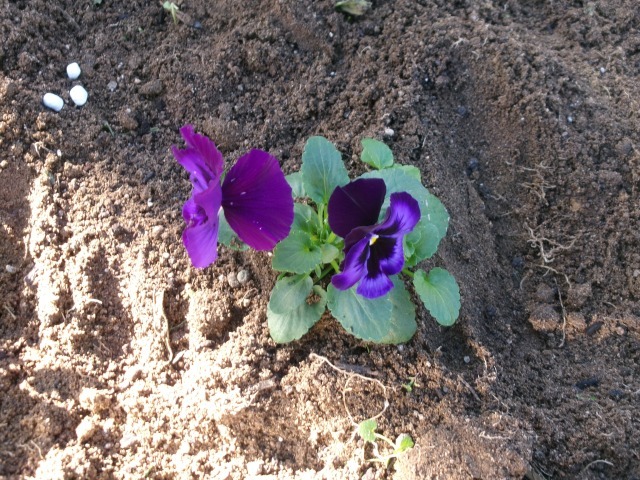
410	385
367	430
172	9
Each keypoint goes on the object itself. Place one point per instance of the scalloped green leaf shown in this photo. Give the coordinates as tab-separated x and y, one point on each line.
289	293
297	253
390	319
403	443
329	252
322	169
305	218
413	172
293	324
440	293
295	182
376	153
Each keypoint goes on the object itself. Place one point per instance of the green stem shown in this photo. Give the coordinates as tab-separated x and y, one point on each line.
331	238
408	272
335	266
385	439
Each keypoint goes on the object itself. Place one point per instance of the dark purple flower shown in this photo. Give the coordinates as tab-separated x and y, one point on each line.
373	251
255	197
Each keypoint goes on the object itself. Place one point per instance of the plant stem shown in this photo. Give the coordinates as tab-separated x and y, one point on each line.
386	439
331	238
407	272
335	266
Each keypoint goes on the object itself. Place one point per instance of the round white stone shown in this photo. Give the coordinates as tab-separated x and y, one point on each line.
53	101
73	70
79	95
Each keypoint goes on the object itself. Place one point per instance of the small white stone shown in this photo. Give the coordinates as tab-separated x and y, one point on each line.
112	85
73	70
53	101
11	269
79	95
388	132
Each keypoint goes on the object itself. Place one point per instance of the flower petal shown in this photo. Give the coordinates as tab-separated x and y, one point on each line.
402	216
200	238
257	200
357	204
353	267
388	253
201	159
374	286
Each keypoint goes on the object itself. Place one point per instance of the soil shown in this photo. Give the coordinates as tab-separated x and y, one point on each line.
120	360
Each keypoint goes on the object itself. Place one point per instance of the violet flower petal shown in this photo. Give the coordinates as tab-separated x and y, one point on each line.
389	254
374	286
402	216
257	200
357	204
200	237
353	267
201	159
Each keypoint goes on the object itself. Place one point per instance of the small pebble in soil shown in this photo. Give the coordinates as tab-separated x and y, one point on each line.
246	302
462	111
517	263
79	95
593	328
243	276
11	269
4	164
603	70
157	231
467	359
53	101
616	394
73	70
473	165
232	279
112	85
588	382
389	132
570	119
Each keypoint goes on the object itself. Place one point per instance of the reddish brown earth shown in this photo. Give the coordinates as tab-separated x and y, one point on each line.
120	360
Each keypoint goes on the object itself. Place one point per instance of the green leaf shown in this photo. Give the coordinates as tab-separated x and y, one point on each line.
367	430
413	172
291	325
434	218
440	293
295	182
305	218
329	253
353	7
390	319
322	169
297	253
227	236
376	154
289	293
403	443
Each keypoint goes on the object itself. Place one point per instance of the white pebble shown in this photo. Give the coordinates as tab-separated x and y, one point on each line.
11	269
73	70
388	132
53	101
79	95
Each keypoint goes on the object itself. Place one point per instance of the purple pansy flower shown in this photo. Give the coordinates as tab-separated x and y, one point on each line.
373	251
255	197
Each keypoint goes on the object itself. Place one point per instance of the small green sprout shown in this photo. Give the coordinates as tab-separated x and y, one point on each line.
411	383
172	9
367	430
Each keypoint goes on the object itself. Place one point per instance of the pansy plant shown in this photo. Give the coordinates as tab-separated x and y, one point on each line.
344	245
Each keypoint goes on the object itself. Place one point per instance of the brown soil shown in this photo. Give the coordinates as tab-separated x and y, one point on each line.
120	360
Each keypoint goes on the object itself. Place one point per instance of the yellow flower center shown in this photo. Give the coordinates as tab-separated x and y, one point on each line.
374	239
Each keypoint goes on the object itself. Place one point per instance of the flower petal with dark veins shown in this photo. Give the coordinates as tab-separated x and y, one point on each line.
353	267
200	237
201	159
402	215
357	204
257	200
